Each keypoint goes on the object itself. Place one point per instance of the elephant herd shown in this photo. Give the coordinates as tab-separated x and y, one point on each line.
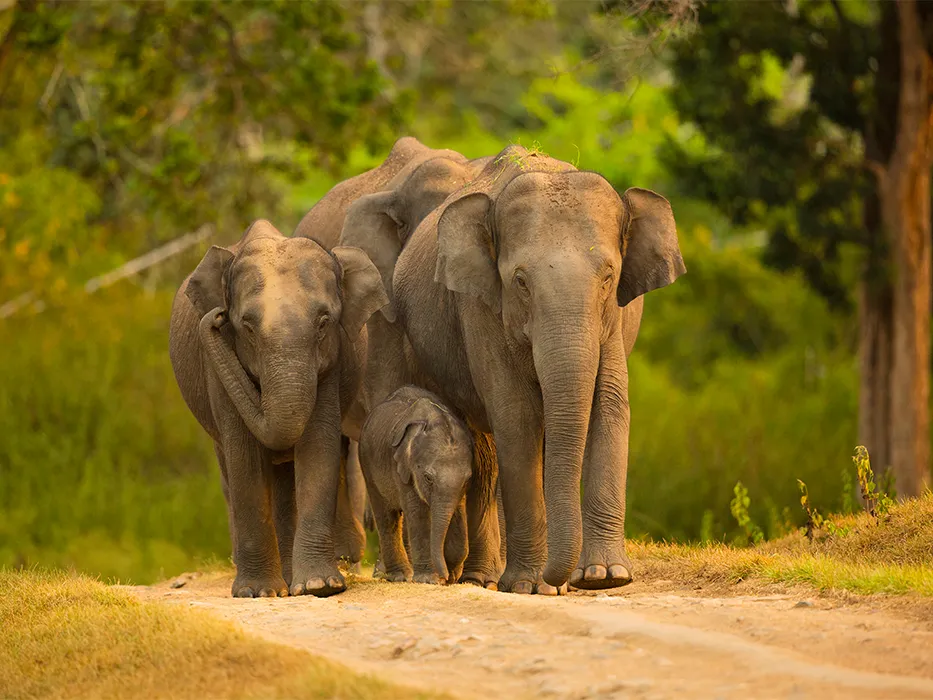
450	335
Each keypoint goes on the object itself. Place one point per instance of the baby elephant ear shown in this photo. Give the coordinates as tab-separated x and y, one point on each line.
402	436
205	286
651	256
363	293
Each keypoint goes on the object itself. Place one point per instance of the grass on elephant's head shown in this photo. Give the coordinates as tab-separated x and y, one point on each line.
892	554
68	636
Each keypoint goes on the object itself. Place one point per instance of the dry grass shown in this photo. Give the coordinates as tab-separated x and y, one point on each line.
893	555
68	636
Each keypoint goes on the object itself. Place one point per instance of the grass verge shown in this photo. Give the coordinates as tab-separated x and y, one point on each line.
892	555
69	636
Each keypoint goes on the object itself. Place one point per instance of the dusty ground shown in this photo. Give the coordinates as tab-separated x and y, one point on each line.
644	641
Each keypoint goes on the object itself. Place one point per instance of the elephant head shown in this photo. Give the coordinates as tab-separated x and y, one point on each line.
433	451
275	311
554	252
381	223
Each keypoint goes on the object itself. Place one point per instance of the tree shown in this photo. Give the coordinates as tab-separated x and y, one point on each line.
163	116
815	120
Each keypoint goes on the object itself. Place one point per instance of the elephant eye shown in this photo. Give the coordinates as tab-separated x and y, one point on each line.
323	321
248	323
521	282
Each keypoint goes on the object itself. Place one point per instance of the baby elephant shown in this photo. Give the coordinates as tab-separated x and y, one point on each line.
417	459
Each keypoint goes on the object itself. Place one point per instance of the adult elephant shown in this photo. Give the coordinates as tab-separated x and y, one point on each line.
381	224
266	346
521	296
323	223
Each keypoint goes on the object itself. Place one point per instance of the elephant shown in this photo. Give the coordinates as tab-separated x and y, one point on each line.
417	458
267	342
521	297
324	222
380	224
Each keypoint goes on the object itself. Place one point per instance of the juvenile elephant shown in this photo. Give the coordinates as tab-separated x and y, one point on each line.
521	296
267	349
417	458
381	224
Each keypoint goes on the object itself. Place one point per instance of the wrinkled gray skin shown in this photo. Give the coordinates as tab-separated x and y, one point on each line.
324	223
381	224
418	460
521	296
267	349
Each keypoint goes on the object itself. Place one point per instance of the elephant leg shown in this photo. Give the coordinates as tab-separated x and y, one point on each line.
483	564
503	541
349	537
284	510
418	517
519	442
455	546
250	476
317	477
225	487
603	562
395	566
356	484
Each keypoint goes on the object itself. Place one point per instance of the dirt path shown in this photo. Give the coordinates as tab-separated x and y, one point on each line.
640	642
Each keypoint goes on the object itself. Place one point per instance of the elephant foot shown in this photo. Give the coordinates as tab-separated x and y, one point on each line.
259	587
321	583
479	578
454	573
596	573
428	577
398	576
526	582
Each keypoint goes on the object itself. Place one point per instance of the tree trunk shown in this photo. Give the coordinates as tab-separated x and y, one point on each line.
875	349
904	194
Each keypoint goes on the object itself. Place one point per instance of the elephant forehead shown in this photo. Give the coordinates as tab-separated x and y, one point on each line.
562	210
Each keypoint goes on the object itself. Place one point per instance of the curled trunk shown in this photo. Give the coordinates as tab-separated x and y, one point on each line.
277	416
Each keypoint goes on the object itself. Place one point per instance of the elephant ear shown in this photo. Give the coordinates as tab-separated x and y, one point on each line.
651	256
403	435
466	256
363	294
206	286
372	225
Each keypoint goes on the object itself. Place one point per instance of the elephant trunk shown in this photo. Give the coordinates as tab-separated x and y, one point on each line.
442	512
278	416
566	363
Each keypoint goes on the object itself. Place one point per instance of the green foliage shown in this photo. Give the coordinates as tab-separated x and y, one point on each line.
102	466
877	502
814	519
739	509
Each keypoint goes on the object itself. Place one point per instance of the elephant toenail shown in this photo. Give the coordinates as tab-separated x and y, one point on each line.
595	572
297	589
576	576
617	571
523	588
246	592
546	589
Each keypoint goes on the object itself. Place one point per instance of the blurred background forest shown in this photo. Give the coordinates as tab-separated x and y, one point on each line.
126	125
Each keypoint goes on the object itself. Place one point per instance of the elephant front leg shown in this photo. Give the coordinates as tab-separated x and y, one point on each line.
455	546
519	444
483	565
418	516
284	508
317	473
395	566
603	562
225	487
349	537
249	476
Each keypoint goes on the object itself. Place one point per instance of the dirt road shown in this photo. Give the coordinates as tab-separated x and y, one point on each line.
644	641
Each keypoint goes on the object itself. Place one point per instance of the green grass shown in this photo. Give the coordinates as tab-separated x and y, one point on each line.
891	555
69	636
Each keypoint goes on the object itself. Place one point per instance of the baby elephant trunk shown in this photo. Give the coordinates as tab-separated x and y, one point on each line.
442	512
